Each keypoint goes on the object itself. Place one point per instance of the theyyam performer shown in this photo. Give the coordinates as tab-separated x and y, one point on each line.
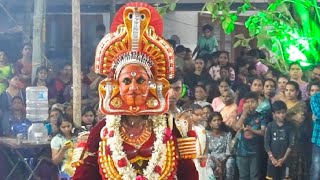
137	139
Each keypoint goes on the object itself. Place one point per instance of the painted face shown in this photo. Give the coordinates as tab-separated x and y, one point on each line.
216	122
256	86
282	82
200	94
314	89
66	127
295	72
42	74
223	86
269	88
134	84
199	65
280	115
223	59
27	51
291	93
175	92
88	118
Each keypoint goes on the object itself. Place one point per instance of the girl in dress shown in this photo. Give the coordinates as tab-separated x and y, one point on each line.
62	145
220	161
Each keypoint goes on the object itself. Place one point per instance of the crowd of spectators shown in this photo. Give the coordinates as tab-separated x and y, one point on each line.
258	121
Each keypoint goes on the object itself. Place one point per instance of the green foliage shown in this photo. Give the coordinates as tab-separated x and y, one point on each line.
168	5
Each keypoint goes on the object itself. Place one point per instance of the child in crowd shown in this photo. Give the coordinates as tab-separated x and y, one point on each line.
248	142
18	121
207	44
41	77
201	144
278	142
220	161
62	145
88	115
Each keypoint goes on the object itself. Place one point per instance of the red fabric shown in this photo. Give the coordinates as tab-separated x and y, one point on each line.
240	106
156	20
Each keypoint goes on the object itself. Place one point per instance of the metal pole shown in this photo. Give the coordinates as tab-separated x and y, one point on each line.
76	62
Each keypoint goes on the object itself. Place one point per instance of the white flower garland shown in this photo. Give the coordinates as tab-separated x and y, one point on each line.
158	156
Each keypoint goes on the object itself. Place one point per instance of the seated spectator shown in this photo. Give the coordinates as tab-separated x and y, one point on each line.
257	54
207	43
201	96
51	124
62	145
88	118
59	83
220	162
16	88
41	78
5	71
17	117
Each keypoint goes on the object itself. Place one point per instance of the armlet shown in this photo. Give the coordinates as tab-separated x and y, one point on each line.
187	147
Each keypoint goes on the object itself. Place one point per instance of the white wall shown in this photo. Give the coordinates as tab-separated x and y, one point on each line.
184	24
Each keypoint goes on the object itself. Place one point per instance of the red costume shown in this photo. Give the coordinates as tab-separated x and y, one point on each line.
136	140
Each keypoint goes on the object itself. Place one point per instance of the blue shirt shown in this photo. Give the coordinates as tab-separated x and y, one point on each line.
248	143
315	107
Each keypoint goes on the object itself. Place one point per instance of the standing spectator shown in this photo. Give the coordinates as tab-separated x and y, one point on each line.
248	156
296	73
207	43
278	142
199	74
23	66
220	160
315	166
5	71
201	96
296	115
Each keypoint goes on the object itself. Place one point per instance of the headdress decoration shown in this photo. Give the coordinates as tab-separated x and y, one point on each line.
135	38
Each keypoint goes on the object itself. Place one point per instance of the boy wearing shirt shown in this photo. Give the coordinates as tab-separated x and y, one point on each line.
278	142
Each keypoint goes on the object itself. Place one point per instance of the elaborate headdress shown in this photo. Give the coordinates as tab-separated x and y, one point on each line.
135	38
